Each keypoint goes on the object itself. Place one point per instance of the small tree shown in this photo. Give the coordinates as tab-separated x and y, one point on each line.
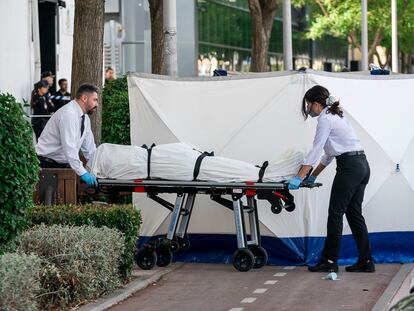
87	61
19	168
157	36
262	13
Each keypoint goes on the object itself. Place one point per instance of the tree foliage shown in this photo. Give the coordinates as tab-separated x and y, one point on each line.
342	18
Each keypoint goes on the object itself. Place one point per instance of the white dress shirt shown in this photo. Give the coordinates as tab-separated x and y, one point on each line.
335	136
61	138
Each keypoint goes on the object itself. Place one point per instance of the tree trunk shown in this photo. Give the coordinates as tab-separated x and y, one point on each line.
87	59
262	14
406	62
157	36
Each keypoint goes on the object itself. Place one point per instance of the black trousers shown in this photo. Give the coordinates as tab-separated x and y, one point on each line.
49	163
38	125
347	194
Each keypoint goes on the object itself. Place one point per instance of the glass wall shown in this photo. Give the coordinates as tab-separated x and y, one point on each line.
224	39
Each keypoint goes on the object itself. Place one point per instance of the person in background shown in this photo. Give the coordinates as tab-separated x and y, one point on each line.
48	76
62	96
109	74
40	106
68	132
335	135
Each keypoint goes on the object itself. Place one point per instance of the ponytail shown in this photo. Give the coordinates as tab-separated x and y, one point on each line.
335	109
33	98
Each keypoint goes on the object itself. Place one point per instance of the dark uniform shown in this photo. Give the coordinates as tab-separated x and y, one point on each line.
60	99
41	106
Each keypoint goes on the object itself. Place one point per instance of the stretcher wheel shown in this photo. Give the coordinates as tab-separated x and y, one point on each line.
91	190
290	207
260	256
164	256
146	258
243	260
175	246
184	244
276	209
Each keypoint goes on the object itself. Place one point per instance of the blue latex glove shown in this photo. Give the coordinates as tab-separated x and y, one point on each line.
89	179
310	180
294	183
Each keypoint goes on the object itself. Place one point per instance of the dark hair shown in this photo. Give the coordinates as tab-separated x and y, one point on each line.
86	88
35	96
108	68
320	94
61	81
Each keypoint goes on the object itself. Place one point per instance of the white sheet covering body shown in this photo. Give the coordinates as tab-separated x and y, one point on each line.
119	161
176	161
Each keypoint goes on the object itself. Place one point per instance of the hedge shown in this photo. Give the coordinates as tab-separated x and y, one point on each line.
77	263
115	112
122	217
19	168
19	282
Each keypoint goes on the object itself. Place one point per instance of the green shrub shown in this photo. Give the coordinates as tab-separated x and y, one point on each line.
115	112
19	282
19	168
122	217
78	263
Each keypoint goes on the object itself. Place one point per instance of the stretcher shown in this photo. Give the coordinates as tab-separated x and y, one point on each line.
249	254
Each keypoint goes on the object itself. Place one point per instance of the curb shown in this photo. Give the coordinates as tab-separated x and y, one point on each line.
385	300
121	294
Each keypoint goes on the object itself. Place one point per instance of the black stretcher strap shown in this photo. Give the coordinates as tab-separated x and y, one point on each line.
198	163
262	170
149	150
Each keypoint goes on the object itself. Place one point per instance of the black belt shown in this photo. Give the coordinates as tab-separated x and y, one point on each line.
350	154
44	159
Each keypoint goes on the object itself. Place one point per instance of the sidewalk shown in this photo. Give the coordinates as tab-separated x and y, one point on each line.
141	280
401	289
218	287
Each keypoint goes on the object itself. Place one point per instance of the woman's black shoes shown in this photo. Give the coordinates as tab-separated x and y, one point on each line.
362	266
324	265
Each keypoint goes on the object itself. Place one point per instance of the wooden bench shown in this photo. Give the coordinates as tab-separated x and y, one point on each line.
56	186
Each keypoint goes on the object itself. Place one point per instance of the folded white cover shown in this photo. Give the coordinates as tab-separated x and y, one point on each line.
177	161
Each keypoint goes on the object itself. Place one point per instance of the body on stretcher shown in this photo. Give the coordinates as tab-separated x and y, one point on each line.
183	170
250	254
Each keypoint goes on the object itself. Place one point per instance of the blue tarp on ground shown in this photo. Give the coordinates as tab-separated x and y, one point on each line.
388	247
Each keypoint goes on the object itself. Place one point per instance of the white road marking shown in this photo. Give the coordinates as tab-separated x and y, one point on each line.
236	309
280	274
289	268
270	282
260	290
248	300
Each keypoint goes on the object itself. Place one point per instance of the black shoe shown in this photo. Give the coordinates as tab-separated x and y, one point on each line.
324	266
362	266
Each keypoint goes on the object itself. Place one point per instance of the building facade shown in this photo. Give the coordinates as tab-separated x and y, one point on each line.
210	34
225	40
